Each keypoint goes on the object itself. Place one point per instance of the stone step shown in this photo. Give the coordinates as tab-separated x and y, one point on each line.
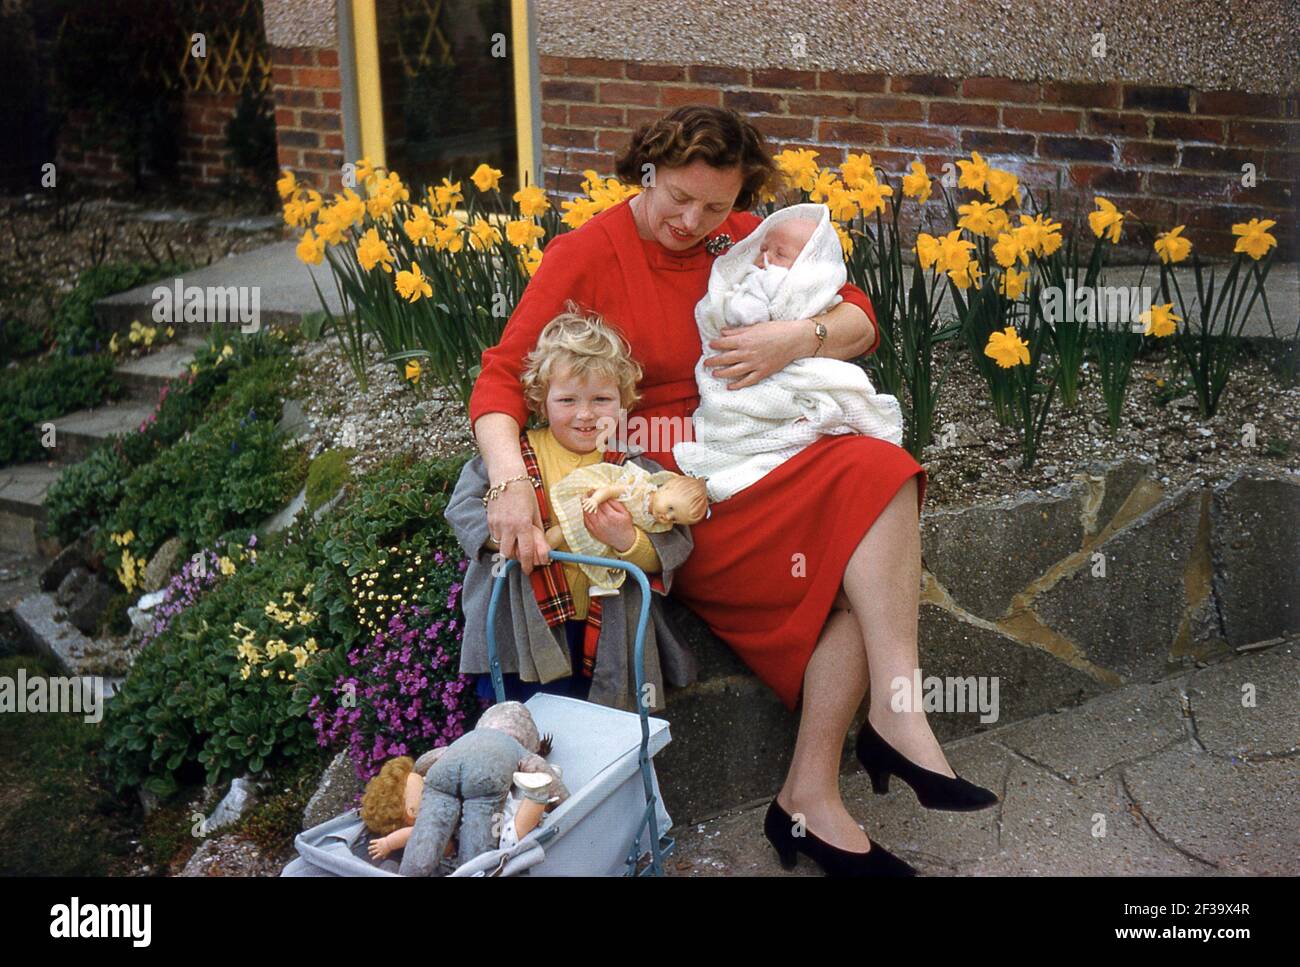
22	507
145	377
78	434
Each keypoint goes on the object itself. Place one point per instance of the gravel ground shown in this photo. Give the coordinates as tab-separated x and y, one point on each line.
982	464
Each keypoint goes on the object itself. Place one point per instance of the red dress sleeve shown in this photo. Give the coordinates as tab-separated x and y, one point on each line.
746	222
564	273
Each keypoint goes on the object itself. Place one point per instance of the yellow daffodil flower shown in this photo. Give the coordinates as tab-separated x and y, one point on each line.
1171	246
486	178
1007	349
974	173
1012	283
411	285
1106	221
1255	240
917	184
372	251
1159	320
1002	186
310	249
532	201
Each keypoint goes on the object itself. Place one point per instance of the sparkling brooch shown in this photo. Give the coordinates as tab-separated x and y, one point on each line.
718	244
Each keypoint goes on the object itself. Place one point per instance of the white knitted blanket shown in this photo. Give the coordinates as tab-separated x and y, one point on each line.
741	435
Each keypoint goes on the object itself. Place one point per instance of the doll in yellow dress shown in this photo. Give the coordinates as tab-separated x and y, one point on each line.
656	501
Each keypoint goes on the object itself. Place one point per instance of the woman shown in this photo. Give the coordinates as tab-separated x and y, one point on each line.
812	574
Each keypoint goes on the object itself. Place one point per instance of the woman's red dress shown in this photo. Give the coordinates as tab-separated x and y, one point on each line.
769	562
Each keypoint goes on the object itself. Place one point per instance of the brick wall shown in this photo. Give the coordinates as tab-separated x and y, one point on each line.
309	114
204	154
98	166
1170	154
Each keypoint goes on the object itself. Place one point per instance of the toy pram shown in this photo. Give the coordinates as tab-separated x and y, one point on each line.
612	819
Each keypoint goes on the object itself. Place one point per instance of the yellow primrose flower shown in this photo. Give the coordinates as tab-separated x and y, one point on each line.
310	249
1171	246
483	234
917	184
532	201
1006	348
1012	283
227	350
1107	220
112	344
227	565
411	285
287	184
1159	320
194	368
974	173
1255	240
523	232
1002	186
486	177
170	332
372	251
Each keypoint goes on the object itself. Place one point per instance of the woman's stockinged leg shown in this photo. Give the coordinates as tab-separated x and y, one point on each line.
883	583
833	685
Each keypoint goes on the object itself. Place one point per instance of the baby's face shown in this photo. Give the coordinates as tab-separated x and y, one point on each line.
784	242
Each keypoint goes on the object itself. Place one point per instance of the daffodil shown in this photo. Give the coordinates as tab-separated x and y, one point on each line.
858	169
1039	235
964	276
1106	221
917	184
419	227
1007	249
1255	240
523	232
447	237
444	196
974	173
287	184
531	260
846	241
824	182
977	217
1002	186
954	252
1007	349
799	167
927	250
486	178
1012	283
372	251
310	248
1159	320
1171	246
411	285
532	201
413	370
483	234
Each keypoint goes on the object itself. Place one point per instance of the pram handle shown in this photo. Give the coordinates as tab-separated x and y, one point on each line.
498	683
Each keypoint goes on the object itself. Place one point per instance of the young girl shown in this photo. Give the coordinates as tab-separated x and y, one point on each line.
552	635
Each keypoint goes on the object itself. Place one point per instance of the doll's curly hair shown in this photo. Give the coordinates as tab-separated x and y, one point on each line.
718	136
383	805
585	346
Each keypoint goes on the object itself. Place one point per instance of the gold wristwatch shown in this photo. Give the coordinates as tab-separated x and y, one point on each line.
820	330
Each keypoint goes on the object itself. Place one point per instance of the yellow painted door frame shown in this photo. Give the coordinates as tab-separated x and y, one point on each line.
370	104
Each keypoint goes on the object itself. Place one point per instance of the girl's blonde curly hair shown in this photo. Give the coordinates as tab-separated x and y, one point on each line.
586	347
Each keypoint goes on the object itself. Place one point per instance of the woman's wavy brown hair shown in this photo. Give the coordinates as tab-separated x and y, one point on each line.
720	137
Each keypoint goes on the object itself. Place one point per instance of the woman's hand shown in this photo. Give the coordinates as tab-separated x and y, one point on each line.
515	522
748	354
612	524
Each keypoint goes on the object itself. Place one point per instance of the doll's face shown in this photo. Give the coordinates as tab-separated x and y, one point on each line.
784	242
576	408
669	506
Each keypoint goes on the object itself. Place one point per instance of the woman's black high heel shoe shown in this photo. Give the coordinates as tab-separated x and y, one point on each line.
878	861
933	789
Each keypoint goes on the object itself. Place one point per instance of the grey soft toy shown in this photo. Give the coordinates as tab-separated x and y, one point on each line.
468	781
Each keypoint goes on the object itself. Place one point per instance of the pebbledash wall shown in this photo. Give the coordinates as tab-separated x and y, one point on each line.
1181	97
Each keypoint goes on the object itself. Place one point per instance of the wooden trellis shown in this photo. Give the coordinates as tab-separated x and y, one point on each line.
236	47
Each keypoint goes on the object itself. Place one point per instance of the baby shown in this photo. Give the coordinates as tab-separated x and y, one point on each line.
790	267
751	298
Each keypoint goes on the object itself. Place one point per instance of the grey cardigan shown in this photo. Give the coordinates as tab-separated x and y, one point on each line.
538	652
